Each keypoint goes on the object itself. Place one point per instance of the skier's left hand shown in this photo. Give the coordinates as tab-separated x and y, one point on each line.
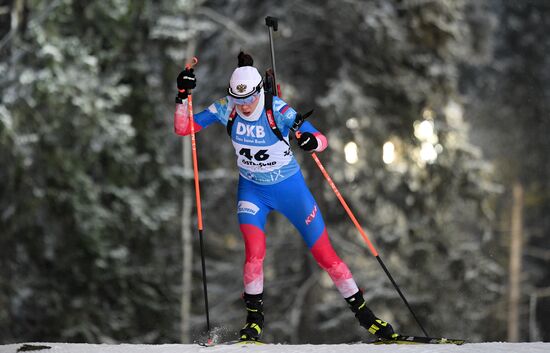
307	141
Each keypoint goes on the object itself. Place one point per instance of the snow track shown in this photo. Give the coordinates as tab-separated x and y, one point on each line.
537	347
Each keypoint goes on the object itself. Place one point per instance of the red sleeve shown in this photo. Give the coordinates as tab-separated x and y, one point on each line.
181	120
322	142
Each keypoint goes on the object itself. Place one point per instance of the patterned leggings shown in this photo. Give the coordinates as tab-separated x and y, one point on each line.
293	199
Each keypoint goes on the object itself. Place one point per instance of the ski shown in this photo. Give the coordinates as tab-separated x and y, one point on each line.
230	343
401	339
32	347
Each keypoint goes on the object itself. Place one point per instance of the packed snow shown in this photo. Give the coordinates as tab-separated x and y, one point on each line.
494	347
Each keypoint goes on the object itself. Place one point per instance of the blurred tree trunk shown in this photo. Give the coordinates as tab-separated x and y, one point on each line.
516	244
534	331
187	253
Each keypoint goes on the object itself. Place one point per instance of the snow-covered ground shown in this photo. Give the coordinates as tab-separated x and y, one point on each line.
279	348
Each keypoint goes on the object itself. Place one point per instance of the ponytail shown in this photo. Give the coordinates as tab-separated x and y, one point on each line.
245	59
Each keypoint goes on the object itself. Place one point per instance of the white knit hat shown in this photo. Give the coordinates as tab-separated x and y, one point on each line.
245	81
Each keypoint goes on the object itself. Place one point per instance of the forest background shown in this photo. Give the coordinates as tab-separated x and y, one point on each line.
437	116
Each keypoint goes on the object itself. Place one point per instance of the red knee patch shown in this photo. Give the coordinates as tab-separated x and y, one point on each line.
326	257
254	241
253	274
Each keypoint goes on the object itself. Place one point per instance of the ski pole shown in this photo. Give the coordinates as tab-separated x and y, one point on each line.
364	235
272	22
193	62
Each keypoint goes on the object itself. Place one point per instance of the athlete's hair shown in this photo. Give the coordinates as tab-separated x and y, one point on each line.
244	59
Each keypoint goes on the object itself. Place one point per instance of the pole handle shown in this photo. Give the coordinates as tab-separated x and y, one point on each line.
189	64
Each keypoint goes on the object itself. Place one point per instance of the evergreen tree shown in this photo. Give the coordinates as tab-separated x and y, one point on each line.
391	77
88	217
509	110
92	181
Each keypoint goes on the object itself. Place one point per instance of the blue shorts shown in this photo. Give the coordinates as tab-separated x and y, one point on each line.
291	197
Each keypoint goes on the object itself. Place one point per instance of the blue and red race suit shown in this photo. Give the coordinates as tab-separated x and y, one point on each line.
270	179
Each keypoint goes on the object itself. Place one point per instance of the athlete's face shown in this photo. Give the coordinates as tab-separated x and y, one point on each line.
248	108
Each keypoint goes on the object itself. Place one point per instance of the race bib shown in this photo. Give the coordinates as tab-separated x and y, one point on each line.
262	158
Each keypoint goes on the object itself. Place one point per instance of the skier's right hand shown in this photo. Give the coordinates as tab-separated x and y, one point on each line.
186	81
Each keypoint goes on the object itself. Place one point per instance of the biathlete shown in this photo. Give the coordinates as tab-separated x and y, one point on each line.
270	179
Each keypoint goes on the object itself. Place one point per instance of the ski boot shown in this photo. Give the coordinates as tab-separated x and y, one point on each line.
366	318
252	330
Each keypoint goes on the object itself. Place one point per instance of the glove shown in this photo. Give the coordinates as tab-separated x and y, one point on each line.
299	120
308	142
186	81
